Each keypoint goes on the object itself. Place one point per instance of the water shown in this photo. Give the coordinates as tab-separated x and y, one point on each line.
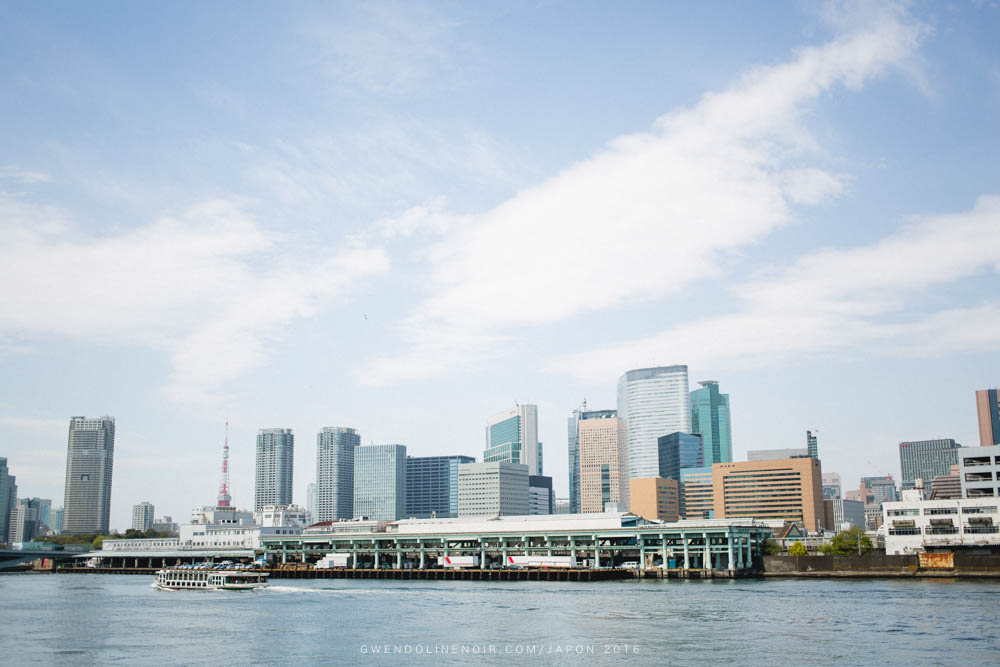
86	619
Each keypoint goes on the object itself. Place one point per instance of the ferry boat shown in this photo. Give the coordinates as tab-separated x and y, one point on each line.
209	578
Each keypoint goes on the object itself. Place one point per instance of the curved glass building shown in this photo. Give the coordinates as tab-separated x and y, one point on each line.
652	402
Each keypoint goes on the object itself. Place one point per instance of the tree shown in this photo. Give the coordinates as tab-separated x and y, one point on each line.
797	549
848	543
771	547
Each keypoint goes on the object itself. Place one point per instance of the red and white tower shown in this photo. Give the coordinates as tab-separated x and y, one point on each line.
224	498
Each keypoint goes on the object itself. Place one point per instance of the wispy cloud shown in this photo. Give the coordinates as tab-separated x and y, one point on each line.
14	174
386	48
835	300
210	287
643	218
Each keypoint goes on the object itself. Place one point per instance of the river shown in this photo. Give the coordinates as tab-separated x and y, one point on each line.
76	619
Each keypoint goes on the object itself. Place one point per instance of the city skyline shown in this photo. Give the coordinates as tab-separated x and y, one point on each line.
798	201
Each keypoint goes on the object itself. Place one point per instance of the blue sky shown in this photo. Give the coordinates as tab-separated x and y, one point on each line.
405	217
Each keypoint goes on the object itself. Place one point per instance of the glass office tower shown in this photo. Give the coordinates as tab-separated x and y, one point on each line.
710	418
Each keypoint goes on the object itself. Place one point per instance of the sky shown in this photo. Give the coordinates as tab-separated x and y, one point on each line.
406	217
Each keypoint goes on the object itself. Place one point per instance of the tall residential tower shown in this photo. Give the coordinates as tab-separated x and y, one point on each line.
335	447
142	516
275	458
90	456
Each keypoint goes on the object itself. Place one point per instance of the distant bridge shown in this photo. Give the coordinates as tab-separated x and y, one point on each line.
13	557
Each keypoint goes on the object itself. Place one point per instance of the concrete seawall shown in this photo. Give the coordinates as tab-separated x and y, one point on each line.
881	565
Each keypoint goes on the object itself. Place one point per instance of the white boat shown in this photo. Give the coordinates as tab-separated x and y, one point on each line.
205	578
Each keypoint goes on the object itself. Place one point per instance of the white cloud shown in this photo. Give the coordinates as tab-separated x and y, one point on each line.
210	287
642	218
837	300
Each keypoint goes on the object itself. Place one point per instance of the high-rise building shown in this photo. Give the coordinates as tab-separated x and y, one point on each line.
979	471
57	520
432	486
877	490
831	485
44	513
655	498
142	516
812	444
380	482
710	417
89	466
789	489
24	520
493	489
678	451
988	412
311	499
8	499
573	433
602	464
274	469
696	495
925	460
873	492
512	437
541	498
652	402
335	450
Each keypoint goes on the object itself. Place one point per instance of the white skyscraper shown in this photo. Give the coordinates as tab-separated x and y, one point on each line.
652	402
512	437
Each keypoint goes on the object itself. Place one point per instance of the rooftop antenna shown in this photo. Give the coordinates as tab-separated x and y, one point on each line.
224	498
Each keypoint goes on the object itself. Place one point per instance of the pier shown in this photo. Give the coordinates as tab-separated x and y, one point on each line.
440	574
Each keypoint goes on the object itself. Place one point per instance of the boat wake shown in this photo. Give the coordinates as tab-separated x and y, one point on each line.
335	591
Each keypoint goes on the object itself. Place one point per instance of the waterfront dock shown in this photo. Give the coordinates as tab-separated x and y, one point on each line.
472	574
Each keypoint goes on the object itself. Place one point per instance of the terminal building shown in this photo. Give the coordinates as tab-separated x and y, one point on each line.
597	540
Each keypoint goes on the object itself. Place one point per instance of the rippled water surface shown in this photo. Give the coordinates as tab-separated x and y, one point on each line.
87	619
